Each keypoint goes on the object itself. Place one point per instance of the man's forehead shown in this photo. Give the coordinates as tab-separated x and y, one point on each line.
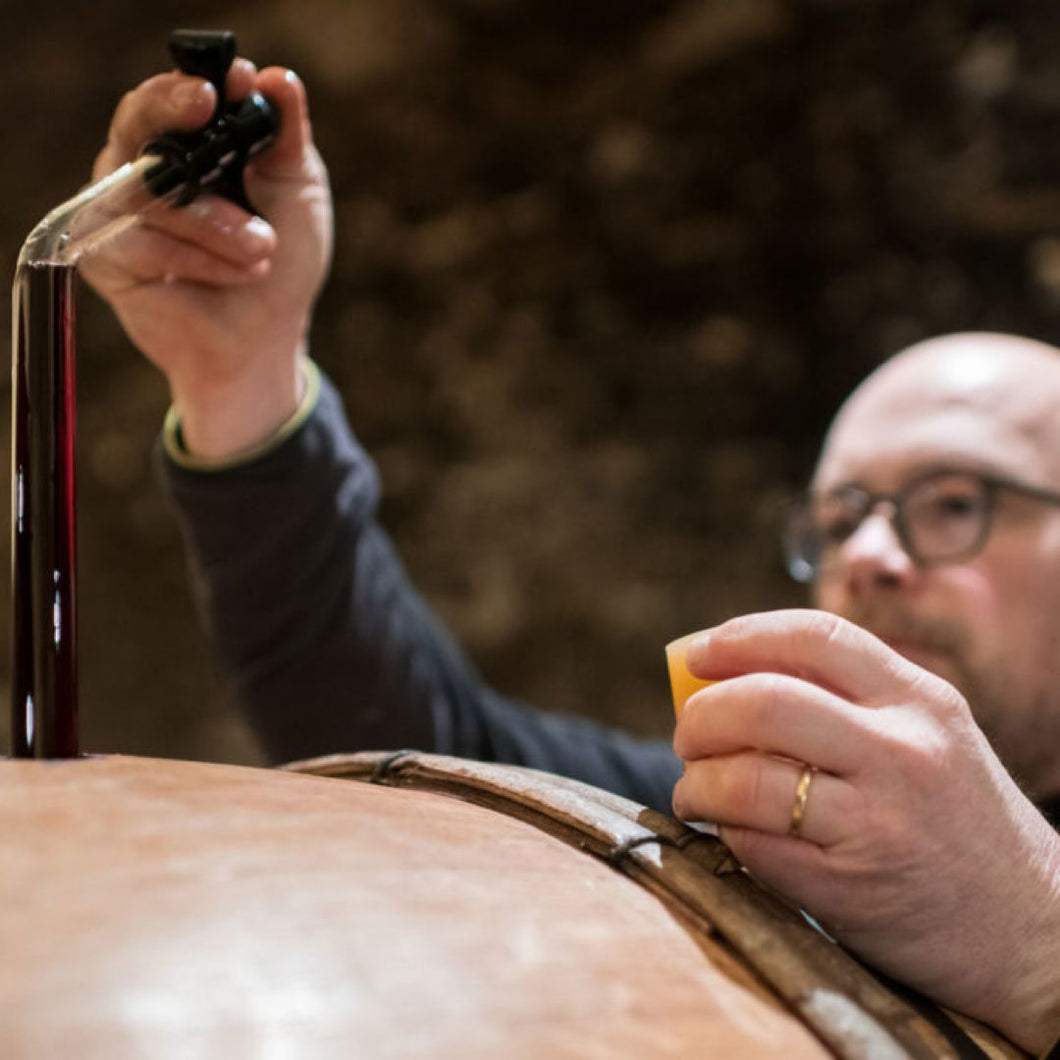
980	401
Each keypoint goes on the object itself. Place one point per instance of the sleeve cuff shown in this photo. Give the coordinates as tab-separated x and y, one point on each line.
173	439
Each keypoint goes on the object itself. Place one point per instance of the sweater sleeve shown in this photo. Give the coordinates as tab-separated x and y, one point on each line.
328	646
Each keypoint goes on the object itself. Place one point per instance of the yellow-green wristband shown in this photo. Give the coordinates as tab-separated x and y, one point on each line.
173	441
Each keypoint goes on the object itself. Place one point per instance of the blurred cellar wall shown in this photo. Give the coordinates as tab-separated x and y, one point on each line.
603	273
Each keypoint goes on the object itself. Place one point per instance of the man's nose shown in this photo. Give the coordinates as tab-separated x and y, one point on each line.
874	556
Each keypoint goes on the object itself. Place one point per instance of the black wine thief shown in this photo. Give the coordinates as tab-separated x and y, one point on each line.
212	157
174	169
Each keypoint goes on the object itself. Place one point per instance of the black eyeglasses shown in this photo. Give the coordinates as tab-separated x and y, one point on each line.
942	516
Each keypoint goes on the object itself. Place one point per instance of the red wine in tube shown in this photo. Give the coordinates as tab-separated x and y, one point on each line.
43	527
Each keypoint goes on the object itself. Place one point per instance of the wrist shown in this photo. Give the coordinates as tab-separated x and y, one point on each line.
241	440
221	418
1032	1016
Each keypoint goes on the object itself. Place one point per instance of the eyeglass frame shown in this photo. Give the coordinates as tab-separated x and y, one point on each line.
804	571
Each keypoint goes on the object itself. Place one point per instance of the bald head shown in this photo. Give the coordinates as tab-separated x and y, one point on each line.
954	399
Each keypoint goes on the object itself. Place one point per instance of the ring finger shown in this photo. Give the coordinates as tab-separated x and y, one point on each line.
767	794
141	255
217	226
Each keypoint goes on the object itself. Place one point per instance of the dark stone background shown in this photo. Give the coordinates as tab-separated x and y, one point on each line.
604	270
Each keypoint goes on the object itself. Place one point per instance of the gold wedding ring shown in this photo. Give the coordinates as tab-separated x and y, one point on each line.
798	807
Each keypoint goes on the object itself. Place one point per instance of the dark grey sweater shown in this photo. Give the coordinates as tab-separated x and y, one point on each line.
329	647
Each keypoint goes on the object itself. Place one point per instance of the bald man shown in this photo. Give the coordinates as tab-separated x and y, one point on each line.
933	523
839	754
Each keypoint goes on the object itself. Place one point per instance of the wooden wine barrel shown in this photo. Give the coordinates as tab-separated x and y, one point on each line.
155	908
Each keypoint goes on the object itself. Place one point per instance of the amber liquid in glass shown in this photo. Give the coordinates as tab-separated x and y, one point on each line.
44	658
682	682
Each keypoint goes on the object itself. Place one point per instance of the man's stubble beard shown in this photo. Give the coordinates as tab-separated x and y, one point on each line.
1018	714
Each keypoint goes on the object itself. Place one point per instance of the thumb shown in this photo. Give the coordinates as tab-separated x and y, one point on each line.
292	155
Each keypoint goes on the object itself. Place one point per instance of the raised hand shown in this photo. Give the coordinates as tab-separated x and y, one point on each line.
218	299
